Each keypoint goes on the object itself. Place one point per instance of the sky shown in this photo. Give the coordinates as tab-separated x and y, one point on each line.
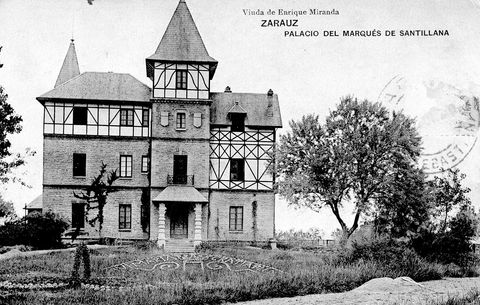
309	74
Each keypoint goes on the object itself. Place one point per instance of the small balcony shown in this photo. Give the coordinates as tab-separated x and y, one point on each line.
180	180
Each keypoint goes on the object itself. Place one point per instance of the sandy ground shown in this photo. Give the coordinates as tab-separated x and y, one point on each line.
386	291
17	253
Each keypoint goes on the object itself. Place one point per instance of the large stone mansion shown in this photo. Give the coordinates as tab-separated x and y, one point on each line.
194	165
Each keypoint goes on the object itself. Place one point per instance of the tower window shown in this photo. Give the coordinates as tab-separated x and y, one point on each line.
181	79
181	120
125	217
126	117
125	166
236	219
237	170
78	215
145	117
238	121
79	165
80	115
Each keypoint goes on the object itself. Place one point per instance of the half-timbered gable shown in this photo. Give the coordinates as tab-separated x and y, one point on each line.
99	104
242	137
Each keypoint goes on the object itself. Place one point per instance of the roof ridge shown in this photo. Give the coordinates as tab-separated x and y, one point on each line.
68	81
212	92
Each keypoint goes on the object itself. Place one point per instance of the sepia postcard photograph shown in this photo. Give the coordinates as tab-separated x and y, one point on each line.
251	152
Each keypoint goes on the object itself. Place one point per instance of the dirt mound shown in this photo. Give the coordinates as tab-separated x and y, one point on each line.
10	254
389	285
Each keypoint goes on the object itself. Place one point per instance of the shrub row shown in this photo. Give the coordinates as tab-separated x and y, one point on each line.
40	231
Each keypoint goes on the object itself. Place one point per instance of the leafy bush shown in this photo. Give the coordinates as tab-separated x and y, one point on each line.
41	231
452	245
394	258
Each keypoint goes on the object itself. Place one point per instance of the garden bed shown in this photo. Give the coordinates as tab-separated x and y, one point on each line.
300	273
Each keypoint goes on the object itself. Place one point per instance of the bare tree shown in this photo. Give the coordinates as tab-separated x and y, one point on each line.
95	197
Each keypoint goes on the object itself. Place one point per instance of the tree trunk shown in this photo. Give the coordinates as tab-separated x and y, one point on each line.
347	232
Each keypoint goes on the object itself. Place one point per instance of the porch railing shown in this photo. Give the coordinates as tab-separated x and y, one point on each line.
180	179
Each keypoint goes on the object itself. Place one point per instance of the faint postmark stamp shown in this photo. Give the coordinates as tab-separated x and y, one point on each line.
448	118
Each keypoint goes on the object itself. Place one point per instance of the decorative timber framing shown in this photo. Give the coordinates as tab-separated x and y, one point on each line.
254	146
102	120
165	81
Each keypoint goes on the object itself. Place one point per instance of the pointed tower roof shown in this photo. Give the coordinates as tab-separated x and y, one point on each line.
70	67
182	42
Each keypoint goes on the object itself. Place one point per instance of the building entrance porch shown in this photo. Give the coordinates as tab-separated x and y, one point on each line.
179	214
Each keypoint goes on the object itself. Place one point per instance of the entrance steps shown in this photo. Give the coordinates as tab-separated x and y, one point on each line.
179	246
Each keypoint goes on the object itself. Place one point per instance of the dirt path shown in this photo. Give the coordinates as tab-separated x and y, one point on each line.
17	253
386	291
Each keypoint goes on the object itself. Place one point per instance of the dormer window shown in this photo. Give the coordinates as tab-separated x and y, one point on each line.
181	79
238	121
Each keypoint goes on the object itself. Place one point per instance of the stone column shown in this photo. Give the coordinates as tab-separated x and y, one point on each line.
161	224
198	224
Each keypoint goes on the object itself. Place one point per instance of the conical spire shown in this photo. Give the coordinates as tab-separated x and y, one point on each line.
182	41
70	67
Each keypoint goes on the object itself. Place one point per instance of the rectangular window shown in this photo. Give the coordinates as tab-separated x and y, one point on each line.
181	120
125	166
145	164
80	115
126	117
237	169
125	217
79	165
238	121
145	117
78	215
236	219
181	79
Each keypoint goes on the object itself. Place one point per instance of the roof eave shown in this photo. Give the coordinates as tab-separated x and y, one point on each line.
43	99
212	64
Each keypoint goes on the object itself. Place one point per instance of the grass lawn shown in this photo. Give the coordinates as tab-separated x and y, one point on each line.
303	273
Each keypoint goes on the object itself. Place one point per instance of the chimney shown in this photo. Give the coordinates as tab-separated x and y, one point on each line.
269	111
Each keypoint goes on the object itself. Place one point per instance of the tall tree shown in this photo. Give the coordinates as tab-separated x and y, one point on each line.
353	157
95	197
448	193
